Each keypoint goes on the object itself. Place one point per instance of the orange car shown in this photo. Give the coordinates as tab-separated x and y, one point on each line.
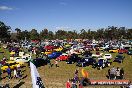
113	50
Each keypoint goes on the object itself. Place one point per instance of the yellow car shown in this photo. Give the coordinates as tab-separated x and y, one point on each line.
101	49
11	64
113	51
59	49
67	45
12	53
47	52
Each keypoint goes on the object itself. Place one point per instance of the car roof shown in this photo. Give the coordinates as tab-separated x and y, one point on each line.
10	62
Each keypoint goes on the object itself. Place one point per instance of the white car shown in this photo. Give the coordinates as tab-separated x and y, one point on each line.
97	55
107	56
20	59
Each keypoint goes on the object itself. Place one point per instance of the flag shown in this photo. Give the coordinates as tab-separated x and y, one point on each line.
84	73
36	80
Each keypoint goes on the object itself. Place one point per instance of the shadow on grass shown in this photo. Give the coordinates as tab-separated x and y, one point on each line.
18	85
24	77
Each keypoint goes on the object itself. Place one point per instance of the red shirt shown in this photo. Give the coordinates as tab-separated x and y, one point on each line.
68	85
80	86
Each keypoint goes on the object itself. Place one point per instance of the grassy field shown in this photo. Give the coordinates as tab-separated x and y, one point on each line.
57	77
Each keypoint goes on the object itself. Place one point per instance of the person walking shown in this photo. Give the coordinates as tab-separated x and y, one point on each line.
9	72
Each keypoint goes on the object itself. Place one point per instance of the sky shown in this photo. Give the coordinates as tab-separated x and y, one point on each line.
65	14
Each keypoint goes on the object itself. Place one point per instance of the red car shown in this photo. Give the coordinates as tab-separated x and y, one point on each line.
49	47
63	57
122	51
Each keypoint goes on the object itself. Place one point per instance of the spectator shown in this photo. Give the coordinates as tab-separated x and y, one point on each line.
109	73
76	71
49	63
56	63
113	73
19	73
121	73
68	85
74	84
76	78
118	73
9	72
80	85
15	73
76	75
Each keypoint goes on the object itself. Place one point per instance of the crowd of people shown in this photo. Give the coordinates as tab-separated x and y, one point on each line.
116	73
75	82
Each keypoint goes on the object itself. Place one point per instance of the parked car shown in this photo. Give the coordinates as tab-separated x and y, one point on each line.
119	58
129	52
102	63
113	50
108	56
121	51
86	61
54	55
49	47
47	52
98	54
58	49
63	57
22	59
11	64
73	58
40	62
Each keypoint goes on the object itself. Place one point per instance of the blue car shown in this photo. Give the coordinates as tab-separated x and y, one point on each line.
54	55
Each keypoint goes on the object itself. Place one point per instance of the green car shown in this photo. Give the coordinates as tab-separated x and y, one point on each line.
129	52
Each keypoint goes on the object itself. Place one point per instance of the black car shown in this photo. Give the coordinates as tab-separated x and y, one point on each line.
73	58
86	61
119	58
40	62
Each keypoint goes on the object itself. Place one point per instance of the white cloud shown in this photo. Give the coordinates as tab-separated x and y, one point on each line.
5	8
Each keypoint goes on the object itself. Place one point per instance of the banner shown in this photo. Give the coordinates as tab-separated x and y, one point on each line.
36	80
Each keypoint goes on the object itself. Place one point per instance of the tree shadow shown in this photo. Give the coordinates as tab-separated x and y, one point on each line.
18	85
24	77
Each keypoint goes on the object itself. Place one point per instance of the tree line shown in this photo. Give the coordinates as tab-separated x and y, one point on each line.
109	33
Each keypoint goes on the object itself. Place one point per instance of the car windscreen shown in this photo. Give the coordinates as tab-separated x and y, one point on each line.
107	55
